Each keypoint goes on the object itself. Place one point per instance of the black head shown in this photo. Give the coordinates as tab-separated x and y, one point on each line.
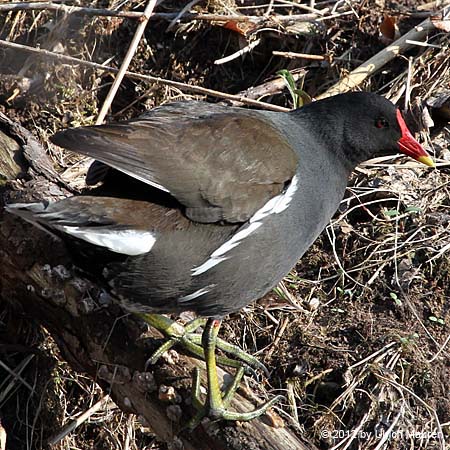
365	125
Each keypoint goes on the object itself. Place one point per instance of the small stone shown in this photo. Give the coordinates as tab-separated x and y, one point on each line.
168	394
313	304
55	295
144	381
174	413
105	299
46	293
62	272
79	285
86	306
127	402
171	356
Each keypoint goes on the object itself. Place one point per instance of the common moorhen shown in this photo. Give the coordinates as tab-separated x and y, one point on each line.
253	191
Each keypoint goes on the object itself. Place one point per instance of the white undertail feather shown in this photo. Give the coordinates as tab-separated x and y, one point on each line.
275	205
126	242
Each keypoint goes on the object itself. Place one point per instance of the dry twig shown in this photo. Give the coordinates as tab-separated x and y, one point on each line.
60	435
183	86
372	65
93	12
294	55
126	62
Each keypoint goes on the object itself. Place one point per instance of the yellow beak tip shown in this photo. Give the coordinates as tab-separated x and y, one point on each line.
427	160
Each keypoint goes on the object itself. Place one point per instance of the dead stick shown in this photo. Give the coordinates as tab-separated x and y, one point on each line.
294	55
185	9
41	6
126	62
372	65
268	88
78	421
433	5
182	86
155	16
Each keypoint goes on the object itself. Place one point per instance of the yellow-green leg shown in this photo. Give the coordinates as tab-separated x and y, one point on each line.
192	342
204	347
217	405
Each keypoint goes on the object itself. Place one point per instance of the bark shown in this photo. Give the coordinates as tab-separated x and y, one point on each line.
94	335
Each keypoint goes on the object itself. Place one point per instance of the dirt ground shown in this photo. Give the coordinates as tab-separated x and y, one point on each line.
357	336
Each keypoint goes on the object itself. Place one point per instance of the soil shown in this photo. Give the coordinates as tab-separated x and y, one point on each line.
357	338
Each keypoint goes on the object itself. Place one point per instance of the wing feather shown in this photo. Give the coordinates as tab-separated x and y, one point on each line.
221	163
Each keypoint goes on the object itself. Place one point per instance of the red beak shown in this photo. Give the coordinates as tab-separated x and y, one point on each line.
409	146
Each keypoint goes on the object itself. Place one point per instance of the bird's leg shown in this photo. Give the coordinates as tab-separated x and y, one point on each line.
217	404
192	342
209	339
177	334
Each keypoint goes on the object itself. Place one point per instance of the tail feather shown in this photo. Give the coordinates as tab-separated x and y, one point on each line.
30	212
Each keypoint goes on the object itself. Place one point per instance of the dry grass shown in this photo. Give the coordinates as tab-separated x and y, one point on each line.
358	336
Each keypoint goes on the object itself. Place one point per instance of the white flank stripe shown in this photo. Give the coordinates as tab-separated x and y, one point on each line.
127	242
275	205
206	266
236	239
195	294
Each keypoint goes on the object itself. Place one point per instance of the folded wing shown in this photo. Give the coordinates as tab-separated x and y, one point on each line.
221	163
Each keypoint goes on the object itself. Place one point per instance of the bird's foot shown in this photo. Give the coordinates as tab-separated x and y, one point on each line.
187	338
217	409
216	405
203	346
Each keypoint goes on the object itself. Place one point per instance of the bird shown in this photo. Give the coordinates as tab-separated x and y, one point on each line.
235	198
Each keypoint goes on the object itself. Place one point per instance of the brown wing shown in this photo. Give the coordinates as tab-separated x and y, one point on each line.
221	163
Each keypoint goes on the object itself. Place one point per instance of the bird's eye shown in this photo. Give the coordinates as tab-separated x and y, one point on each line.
381	123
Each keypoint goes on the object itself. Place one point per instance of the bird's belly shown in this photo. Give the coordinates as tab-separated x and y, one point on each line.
216	270
253	267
